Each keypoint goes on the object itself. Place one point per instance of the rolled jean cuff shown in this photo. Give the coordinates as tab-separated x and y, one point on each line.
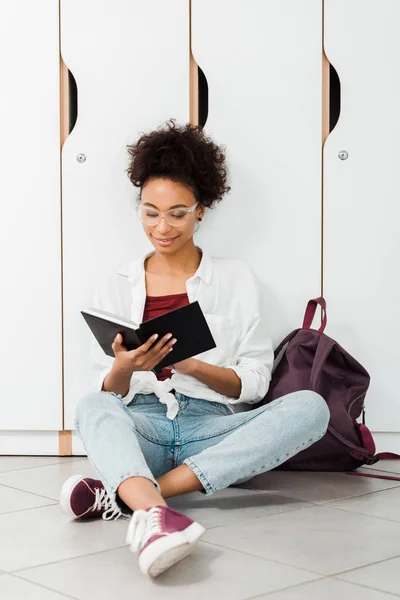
208	488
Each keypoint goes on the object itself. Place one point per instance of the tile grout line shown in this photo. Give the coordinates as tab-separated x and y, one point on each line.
273	560
320	575
53	562
59	462
324	502
359	495
55	500
278	493
308	506
365	566
11	512
45	587
366	587
289	587
355	512
292	565
321	579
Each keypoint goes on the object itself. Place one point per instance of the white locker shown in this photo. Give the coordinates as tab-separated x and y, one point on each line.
30	223
263	63
361	198
130	60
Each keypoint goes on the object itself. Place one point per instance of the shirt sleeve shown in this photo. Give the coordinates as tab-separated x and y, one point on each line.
105	299
255	354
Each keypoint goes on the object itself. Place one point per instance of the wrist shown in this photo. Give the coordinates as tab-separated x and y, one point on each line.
120	371
194	367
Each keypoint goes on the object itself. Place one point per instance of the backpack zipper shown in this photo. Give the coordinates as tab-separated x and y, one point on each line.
355	400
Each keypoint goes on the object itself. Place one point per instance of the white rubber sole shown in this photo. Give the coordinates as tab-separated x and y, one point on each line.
65	495
167	551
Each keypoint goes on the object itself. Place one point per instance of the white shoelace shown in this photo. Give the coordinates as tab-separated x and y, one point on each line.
143	525
103	500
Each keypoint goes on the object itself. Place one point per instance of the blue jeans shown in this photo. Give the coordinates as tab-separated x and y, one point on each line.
219	446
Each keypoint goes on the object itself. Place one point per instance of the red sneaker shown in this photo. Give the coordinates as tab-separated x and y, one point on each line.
162	537
86	498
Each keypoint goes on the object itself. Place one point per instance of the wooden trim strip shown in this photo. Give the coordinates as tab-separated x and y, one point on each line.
65	443
325	96
193	78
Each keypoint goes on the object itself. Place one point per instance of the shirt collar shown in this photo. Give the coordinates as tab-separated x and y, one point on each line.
134	269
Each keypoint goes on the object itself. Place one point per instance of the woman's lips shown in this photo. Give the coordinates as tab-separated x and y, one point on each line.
166	242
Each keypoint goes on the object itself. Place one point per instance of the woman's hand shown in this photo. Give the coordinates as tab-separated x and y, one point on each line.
144	358
185	367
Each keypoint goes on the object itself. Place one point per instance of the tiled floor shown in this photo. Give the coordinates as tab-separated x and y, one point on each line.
310	535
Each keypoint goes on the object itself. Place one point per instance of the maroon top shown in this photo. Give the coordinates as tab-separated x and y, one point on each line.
158	305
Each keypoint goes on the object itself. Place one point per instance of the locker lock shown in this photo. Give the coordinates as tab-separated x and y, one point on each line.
343	155
81	158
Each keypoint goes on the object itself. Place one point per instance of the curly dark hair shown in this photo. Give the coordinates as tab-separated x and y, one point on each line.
183	154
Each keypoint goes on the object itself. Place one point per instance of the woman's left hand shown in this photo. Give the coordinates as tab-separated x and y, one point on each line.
185	367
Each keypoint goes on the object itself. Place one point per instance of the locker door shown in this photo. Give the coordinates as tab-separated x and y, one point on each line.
130	60
263	64
361	197
30	223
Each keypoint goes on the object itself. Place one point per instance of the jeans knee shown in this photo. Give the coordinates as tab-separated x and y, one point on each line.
89	404
317	409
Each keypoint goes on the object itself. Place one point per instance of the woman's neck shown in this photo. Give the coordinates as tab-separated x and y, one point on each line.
185	261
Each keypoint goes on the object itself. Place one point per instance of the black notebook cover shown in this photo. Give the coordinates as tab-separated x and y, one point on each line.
187	324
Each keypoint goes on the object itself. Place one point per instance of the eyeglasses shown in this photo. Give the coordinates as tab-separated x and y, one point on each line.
175	216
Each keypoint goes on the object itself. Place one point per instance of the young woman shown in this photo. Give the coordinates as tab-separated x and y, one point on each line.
148	437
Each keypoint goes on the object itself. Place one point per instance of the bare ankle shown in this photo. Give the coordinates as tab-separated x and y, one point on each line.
139	493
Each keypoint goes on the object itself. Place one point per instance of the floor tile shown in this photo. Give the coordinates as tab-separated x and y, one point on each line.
392	466
328	589
316	487
47	480
42	535
13	463
232	506
323	540
12	500
382	576
383	504
209	572
13	588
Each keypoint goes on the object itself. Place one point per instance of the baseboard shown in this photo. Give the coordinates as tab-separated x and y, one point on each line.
78	448
36	443
29	443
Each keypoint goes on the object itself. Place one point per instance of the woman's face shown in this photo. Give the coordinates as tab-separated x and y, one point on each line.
164	195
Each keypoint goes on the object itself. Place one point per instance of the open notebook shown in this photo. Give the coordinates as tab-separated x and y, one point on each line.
187	324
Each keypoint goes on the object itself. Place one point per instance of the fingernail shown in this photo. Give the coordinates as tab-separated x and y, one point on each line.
155	336
174	341
169	336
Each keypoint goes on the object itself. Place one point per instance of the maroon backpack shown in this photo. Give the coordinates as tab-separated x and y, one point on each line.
312	360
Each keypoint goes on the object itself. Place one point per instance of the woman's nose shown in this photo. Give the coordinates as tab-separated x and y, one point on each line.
163	226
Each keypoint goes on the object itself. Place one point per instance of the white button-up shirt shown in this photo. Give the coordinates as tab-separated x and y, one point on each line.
229	298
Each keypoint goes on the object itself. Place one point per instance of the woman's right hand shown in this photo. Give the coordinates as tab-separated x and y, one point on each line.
144	358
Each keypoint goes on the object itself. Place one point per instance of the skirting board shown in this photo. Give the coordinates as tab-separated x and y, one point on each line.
36	443
46	443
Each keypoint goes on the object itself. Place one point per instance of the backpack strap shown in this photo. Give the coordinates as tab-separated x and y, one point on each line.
361	453
287	339
356	451
386	455
310	313
324	348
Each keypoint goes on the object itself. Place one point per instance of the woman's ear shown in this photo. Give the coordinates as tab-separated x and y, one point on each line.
200	213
